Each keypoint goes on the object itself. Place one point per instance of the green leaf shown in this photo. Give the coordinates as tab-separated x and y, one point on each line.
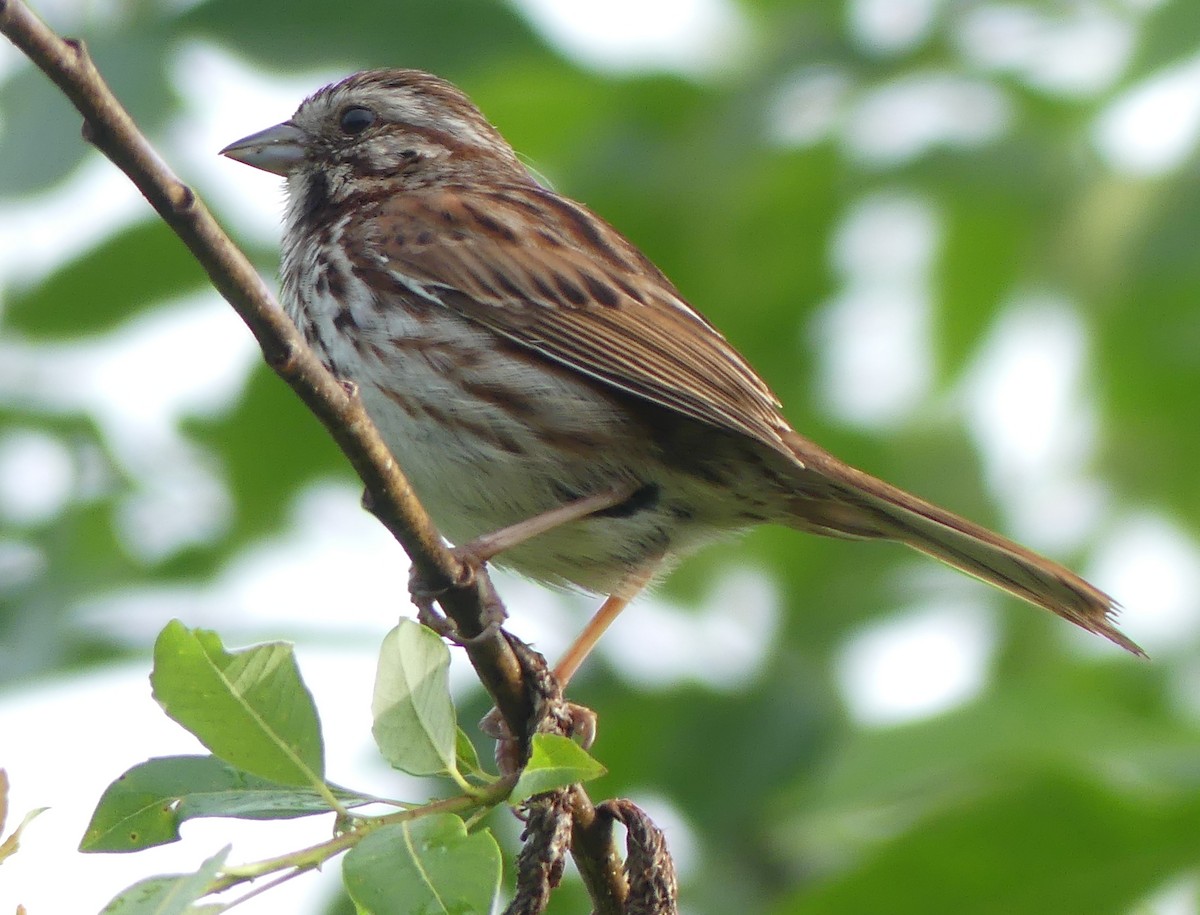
422	867
40	142
414	716
144	264
171	894
146	805
555	762
249	707
438	36
465	756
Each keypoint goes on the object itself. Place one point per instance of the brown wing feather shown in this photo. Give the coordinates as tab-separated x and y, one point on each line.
542	284
857	503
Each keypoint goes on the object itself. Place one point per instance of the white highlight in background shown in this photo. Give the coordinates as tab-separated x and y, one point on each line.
873	340
1075	49
907	117
892	26
808	106
1151	559
1025	403
37	476
723	643
1153	127
693	37
916	664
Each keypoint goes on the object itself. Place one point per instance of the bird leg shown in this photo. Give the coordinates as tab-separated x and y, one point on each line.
583	719
483	548
600	621
474	554
486	546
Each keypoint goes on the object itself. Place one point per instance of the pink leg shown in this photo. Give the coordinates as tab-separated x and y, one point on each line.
603	618
486	546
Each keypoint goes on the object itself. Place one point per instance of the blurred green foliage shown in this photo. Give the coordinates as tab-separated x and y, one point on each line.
1070	785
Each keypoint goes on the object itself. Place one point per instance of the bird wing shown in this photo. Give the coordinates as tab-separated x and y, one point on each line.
548	274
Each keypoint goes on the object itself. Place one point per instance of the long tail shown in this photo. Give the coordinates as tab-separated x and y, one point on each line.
837	500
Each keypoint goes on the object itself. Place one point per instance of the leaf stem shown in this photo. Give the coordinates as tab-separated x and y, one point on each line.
315	855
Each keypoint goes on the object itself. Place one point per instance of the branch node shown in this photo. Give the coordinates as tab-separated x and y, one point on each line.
466	574
282	356
183	198
79	49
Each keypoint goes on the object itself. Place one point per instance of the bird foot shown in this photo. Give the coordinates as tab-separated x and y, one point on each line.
423	596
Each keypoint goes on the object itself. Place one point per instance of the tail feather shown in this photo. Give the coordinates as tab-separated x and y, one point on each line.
836	499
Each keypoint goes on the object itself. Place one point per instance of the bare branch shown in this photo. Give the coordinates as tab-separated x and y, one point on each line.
109	127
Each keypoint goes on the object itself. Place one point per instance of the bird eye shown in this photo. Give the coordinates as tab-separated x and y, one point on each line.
356	119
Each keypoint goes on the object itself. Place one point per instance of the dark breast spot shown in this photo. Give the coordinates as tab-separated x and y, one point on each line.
337	283
316	197
344	320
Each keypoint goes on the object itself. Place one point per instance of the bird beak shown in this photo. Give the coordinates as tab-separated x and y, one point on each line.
277	149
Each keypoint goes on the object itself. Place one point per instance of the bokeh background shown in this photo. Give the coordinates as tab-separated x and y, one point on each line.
959	239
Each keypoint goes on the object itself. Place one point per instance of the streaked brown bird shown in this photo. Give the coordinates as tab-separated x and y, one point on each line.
518	355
